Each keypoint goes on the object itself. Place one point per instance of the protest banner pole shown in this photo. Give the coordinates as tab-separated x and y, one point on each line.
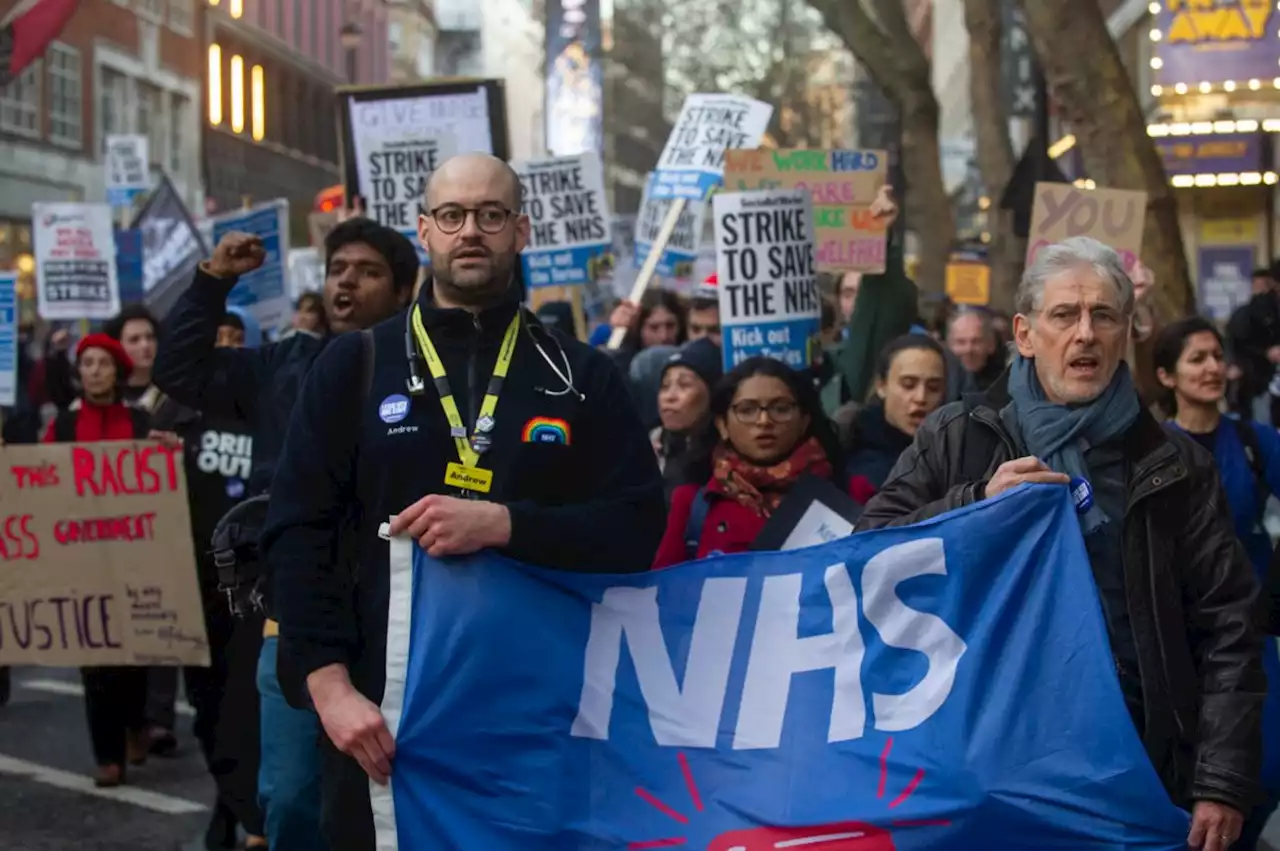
651	262
579	315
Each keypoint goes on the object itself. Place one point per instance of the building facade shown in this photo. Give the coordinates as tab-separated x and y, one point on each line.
119	66
411	40
272	66
635	119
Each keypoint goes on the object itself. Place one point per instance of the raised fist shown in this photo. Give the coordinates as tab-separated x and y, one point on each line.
236	254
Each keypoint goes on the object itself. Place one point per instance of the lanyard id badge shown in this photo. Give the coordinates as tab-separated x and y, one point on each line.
466	474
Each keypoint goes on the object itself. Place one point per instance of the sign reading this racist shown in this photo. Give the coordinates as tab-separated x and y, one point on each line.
692	163
769	299
681	251
99	569
75	247
843	185
1114	217
569	215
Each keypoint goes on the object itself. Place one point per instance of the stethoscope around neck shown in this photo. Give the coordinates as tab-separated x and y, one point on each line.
417	385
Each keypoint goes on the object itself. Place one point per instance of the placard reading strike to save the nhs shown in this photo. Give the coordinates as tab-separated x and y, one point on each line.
99	567
569	220
769	301
692	163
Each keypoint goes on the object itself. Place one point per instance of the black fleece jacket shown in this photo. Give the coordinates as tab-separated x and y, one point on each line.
591	503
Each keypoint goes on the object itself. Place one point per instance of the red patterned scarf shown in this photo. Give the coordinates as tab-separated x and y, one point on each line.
762	488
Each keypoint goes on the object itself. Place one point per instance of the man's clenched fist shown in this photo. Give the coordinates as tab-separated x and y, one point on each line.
236	254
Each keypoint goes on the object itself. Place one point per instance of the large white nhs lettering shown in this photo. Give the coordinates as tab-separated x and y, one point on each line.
689	715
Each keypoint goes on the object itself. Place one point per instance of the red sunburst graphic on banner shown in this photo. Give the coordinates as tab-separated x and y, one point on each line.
834	836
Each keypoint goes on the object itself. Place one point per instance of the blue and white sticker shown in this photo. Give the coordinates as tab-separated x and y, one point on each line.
394	408
1081	494
235	488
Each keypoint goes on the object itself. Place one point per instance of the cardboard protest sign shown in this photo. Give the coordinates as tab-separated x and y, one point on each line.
692	163
566	205
769	299
75	247
1114	217
843	185
393	139
681	251
99	564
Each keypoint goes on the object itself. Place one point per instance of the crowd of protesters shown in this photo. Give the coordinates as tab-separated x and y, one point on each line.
908	416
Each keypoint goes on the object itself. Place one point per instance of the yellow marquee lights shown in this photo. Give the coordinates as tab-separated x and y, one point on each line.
1180	34
1244	178
1204	128
235	8
257	104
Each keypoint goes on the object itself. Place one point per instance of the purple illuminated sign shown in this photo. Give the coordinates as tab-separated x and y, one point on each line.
1232	40
1219	153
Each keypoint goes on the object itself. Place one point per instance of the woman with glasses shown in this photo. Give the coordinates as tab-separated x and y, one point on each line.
766	430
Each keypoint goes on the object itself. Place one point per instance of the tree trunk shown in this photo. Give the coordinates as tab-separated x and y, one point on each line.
996	159
890	53
1096	97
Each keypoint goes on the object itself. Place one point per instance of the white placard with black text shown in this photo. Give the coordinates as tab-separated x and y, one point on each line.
127	167
75	249
692	163
398	142
569	220
768	282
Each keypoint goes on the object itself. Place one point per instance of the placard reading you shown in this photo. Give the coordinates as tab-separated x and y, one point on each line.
843	185
1114	217
98	563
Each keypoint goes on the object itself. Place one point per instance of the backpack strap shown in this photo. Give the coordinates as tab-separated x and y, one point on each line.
698	511
1257	465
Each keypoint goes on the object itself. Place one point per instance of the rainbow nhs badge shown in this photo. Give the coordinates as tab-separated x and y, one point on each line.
546	430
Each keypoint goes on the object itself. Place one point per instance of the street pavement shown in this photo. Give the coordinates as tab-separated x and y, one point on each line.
47	799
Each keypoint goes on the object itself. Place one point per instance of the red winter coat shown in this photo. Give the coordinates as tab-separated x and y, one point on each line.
730	527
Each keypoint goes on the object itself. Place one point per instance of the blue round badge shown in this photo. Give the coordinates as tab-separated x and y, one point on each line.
235	488
394	408
1081	494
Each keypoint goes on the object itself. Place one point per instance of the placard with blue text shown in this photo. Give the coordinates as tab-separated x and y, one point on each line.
99	567
692	163
678	258
948	685
263	292
769	299
569	238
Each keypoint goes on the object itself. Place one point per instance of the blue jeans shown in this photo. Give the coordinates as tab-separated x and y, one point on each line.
289	773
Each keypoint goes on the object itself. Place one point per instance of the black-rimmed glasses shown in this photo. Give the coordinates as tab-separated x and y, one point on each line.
490	218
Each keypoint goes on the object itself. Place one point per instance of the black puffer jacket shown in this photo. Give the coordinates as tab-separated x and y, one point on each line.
1191	592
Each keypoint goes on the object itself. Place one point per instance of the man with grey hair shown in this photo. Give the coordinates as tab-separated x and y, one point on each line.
1176	591
972	339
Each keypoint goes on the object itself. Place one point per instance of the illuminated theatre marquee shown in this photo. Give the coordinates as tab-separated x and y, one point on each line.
1214	45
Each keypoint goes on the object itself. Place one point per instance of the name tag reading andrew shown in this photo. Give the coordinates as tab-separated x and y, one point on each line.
468	478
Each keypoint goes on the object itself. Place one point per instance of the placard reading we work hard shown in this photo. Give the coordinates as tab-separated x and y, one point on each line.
692	163
769	300
565	202
843	184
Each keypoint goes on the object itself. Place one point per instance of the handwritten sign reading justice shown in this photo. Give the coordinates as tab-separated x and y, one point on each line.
97	565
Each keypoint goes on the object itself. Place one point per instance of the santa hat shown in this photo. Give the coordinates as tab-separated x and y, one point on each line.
124	364
709	289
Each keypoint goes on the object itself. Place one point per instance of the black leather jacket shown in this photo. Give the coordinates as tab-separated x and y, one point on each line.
1192	596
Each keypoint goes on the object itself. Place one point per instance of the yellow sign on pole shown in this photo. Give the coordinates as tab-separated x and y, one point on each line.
969	283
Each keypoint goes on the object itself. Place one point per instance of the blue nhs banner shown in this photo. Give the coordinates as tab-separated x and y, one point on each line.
942	686
8	338
263	292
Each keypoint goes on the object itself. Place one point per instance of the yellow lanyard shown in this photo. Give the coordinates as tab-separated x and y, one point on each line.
466	454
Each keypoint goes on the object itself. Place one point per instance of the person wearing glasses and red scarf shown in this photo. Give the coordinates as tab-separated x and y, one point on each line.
767	429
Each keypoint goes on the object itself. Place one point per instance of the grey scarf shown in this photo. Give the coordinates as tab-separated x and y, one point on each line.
1059	435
